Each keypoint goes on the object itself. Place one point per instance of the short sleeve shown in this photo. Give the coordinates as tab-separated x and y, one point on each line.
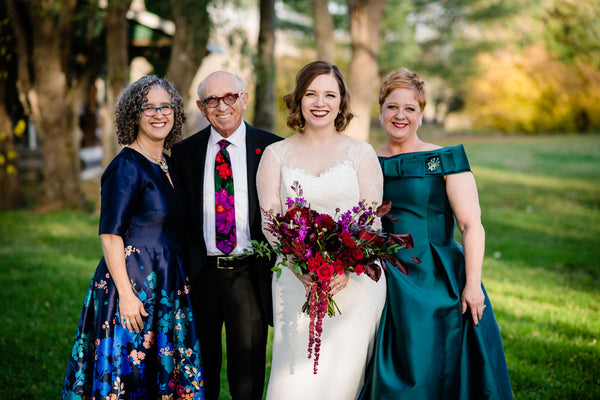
120	191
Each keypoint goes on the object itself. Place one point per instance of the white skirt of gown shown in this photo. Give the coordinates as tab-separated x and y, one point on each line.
347	338
346	347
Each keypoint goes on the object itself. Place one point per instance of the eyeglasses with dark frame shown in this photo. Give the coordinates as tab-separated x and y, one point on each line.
228	99
165	109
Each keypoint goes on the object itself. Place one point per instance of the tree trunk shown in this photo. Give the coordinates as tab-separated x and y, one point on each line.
117	66
11	195
323	25
363	78
45	95
264	105
189	44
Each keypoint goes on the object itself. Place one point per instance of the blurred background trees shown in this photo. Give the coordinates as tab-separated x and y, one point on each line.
512	66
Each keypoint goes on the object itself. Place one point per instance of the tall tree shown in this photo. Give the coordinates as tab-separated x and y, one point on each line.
264	68
43	31
188	48
324	29
572	30
117	71
363	77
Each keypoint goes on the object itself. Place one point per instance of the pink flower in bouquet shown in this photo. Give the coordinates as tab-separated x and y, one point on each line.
339	267
315	262
347	239
325	272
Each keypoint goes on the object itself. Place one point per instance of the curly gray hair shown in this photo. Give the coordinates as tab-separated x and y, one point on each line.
130	102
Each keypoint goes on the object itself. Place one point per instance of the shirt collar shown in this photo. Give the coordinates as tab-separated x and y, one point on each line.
237	138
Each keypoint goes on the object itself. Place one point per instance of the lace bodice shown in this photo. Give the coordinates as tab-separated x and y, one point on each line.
351	174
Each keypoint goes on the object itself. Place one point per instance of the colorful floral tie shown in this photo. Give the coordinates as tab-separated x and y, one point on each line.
224	201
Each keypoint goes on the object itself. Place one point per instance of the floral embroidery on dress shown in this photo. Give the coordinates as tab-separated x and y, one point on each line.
130	249
127	352
433	163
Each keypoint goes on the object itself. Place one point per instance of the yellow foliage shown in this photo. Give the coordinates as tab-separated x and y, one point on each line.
11	170
2	159
11	155
19	128
533	92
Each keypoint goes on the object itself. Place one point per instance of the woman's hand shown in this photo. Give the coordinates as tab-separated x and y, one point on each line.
472	297
337	283
306	280
132	310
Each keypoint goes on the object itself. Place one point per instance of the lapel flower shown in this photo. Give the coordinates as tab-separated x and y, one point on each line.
257	151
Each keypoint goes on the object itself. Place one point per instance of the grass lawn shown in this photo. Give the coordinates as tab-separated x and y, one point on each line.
540	199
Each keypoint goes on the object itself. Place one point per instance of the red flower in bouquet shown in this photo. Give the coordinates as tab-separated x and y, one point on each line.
322	246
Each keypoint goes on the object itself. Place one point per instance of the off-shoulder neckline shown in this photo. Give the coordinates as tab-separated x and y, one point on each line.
419	152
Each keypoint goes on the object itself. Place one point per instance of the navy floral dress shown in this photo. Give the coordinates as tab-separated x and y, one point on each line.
162	361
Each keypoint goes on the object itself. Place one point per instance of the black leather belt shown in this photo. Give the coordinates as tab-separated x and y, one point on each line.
229	262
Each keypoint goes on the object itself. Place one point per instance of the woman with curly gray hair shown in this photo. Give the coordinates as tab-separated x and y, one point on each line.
136	337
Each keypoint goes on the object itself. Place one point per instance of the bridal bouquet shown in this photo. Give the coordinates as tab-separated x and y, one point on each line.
322	245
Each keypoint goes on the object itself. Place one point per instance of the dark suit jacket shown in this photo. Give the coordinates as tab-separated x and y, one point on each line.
188	158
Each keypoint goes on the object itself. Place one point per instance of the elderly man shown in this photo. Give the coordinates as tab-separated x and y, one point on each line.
217	169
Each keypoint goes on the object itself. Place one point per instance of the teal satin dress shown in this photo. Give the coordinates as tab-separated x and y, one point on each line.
427	349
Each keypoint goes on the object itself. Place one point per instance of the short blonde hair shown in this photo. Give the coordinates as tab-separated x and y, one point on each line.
402	78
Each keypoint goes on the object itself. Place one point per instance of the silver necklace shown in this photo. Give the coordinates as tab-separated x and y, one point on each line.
160	161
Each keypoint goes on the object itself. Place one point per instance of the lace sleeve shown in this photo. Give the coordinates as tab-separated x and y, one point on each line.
268	183
370	178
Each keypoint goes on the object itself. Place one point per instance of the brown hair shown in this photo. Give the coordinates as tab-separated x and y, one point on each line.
402	78
304	78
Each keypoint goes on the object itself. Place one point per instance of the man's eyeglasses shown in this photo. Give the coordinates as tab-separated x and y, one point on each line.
228	99
165	109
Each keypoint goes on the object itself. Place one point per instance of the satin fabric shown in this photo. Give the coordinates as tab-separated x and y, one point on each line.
427	349
163	359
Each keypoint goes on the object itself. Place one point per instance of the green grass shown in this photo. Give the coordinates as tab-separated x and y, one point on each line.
540	199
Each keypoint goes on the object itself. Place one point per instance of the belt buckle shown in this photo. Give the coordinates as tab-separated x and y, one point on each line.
225	259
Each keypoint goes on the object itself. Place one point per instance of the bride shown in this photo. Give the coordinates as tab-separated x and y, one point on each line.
334	171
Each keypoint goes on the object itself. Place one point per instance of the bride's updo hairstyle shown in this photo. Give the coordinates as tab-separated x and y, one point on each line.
304	78
403	79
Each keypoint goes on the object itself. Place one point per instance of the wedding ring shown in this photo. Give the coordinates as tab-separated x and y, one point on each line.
484	306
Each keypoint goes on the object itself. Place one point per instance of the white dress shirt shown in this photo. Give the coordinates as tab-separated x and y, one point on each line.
237	155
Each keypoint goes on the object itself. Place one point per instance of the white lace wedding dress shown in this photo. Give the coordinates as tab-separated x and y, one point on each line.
353	174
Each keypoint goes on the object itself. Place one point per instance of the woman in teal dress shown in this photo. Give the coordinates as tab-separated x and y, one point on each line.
438	337
136	337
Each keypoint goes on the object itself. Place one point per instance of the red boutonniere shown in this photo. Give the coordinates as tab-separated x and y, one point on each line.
257	152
